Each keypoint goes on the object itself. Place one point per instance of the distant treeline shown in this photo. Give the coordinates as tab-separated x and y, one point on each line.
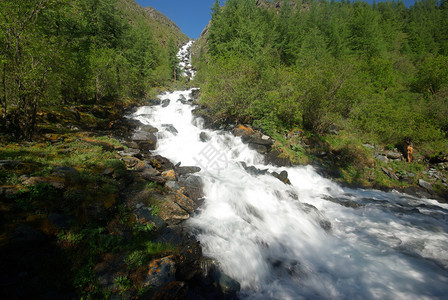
75	51
378	70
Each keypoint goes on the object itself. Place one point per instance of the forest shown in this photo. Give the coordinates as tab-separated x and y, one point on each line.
378	72
66	52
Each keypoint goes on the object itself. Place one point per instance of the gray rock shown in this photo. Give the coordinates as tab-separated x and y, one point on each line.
382	158
424	184
228	285
204	137
165	102
187	170
154	101
193	186
389	173
148	128
283	176
146	141
170	128
161	271
259	148
173	185
368	146
394	155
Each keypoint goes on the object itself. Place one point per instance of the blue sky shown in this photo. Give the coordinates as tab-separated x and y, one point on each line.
190	15
193	15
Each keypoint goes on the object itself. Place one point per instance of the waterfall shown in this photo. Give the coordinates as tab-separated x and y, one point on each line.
311	239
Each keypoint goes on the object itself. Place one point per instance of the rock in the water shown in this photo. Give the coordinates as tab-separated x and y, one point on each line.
424	184
283	176
146	141
148	128
259	148
187	170
204	137
193	186
165	102
170	128
154	102
195	93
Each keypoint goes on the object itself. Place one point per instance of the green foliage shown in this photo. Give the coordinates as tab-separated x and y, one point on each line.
380	70
83	51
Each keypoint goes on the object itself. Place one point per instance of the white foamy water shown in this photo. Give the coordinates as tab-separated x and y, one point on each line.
275	239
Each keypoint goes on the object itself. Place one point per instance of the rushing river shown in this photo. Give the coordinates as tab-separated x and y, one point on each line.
312	239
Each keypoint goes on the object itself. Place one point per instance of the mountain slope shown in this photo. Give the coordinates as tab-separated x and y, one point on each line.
163	29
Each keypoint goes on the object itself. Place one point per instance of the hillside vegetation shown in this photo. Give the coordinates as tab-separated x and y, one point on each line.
78	52
339	73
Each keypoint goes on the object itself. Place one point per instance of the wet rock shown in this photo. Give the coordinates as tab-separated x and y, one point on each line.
187	170
148	128
184	202
424	184
204	137
165	102
259	148
161	271
193	186
160	162
283	176
170	128
261	141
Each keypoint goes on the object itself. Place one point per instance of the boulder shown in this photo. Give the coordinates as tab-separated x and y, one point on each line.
146	141
394	155
148	128
161	271
277	158
382	158
243	131
166	102
154	102
283	176
193	186
170	128
204	137
187	170
259	148
424	184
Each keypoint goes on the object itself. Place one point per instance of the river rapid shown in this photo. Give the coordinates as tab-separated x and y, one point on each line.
312	239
